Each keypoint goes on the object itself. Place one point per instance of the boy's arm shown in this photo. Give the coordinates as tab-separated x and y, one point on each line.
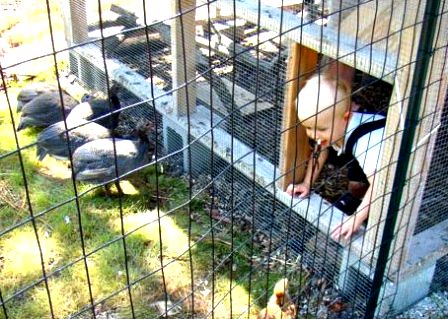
312	173
350	226
313	169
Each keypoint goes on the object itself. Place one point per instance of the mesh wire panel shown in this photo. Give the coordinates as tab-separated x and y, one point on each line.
433	207
194	105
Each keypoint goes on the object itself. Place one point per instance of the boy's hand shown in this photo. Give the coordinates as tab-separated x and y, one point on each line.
350	226
301	190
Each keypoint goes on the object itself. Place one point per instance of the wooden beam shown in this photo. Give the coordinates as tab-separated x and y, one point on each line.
223	45
328	41
75	21
294	149
244	100
183	46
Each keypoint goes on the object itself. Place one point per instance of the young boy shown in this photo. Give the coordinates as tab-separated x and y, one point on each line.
324	109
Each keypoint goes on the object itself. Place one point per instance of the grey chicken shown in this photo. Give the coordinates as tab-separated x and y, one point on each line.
94	161
45	109
31	92
103	111
53	139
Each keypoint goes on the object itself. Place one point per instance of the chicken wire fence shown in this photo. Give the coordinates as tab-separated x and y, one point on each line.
193	100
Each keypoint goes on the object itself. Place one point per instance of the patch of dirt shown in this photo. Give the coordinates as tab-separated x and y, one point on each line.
10	198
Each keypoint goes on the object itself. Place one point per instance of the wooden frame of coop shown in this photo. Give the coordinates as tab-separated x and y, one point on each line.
382	45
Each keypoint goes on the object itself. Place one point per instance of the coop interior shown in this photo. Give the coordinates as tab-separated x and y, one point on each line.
175	206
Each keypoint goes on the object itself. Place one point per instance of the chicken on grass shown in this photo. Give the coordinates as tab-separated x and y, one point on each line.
105	112
53	140
94	162
46	109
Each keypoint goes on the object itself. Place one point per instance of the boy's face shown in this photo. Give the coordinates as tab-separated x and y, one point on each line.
322	110
327	127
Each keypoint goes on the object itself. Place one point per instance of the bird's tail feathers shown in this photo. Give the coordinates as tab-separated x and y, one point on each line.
40	153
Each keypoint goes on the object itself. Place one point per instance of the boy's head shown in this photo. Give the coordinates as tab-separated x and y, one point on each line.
324	109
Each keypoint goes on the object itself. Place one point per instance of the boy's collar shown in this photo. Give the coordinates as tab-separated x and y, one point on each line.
339	150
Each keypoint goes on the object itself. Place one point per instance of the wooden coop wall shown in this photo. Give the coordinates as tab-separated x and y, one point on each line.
391	27
383	45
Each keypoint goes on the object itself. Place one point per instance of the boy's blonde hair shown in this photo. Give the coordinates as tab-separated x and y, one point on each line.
321	93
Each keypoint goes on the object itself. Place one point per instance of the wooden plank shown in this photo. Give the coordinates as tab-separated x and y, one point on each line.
183	46
283	3
75	21
244	100
223	45
389	25
346	49
203	94
294	143
427	247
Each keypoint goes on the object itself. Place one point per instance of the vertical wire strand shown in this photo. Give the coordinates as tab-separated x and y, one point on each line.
372	36
212	159
276	104
75	189
388	173
372	258
315	163
396	136
232	161
28	201
354	65
156	154
254	162
375	15
2	301
190	179
386	50
337	100
404	94
5	312
296	128
116	165
276	138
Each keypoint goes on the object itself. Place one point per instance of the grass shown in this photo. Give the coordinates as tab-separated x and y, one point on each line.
161	257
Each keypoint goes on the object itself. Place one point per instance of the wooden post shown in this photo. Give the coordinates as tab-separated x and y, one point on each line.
183	46
294	148
75	22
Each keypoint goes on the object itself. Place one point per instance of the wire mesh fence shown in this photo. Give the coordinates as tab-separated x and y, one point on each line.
198	158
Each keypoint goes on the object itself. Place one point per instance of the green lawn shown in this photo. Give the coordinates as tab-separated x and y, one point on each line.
43	228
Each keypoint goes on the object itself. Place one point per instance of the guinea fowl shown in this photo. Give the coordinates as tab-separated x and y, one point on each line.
53	139
31	92
103	111
94	161
45	109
